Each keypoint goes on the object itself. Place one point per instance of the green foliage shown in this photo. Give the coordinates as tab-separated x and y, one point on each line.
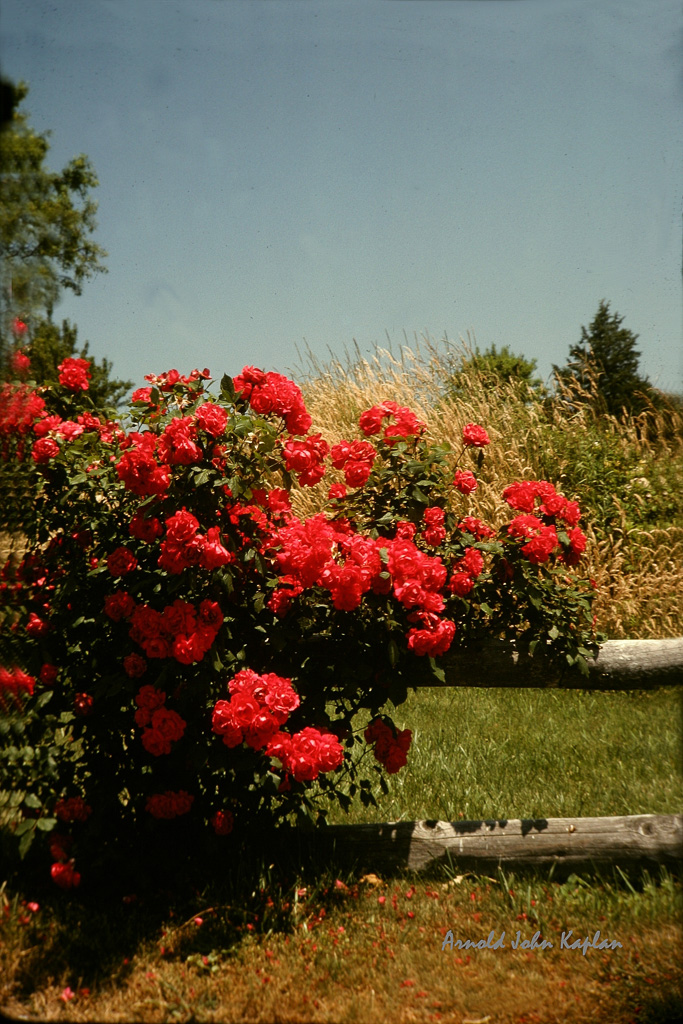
50	345
603	368
492	368
46	217
609	474
46	220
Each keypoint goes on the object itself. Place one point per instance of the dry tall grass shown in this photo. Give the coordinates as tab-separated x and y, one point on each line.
639	572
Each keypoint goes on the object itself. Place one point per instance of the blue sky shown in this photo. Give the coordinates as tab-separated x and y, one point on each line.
279	170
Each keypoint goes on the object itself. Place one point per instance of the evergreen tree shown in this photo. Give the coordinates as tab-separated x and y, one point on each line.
46	219
604	367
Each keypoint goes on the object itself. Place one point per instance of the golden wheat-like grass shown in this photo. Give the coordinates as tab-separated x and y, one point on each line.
639	582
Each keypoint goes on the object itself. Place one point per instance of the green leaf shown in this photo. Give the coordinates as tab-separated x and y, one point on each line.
582	665
398	694
394	653
28	825
553	633
32	801
243	426
46	824
437	671
227	387
25	843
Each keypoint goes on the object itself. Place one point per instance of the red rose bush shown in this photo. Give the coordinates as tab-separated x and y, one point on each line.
179	644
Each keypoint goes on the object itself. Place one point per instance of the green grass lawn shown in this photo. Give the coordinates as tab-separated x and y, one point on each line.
250	939
496	753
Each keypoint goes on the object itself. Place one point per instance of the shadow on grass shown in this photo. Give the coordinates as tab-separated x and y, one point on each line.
661	1008
138	901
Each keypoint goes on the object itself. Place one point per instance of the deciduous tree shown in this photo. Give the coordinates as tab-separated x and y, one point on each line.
47	219
493	368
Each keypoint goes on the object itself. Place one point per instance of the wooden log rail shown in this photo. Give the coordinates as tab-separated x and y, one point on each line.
566	844
482	846
618	665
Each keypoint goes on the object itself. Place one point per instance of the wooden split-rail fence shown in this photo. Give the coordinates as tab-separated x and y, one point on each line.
565	844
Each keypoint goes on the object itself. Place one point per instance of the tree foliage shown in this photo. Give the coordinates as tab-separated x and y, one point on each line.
603	368
493	368
46	220
51	345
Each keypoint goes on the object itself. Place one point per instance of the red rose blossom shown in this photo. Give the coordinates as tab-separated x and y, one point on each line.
223	822
121	561
169	804
20	363
83	704
64	876
465	481
134	665
474	436
44	449
74	374
73	809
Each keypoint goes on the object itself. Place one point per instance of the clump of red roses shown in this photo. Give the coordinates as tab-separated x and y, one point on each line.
391	746
256	526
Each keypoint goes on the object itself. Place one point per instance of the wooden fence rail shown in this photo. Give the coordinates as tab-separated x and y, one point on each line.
618	665
644	840
482	846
